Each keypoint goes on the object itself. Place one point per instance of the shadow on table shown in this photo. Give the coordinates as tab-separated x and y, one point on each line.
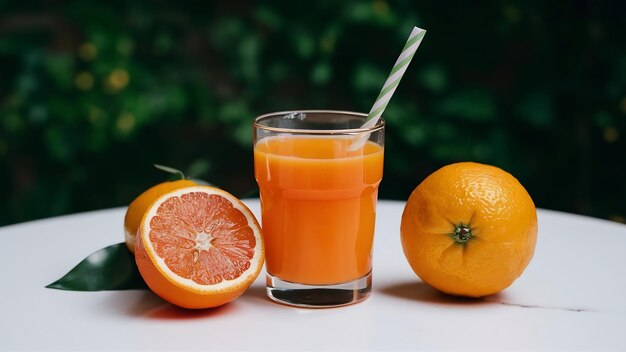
256	293
150	306
420	291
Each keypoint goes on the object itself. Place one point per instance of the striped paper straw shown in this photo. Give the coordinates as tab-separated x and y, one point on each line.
398	70
412	43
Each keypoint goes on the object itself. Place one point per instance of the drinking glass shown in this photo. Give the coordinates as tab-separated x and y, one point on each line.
318	173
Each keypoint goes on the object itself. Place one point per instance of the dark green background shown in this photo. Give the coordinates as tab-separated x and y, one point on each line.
92	94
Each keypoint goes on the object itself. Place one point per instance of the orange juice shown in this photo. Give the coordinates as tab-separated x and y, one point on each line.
318	201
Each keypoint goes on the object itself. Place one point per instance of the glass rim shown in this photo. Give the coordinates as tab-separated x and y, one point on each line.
256	123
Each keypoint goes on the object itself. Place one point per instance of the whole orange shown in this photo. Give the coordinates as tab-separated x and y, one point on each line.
140	205
469	229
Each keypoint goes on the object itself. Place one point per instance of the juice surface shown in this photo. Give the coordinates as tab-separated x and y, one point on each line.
318	203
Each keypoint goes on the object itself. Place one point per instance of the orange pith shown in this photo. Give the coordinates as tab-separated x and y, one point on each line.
469	229
199	247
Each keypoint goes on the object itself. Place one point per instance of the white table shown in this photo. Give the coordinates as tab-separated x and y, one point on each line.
572	296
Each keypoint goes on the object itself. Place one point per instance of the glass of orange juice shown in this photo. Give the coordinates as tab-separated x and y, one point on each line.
318	173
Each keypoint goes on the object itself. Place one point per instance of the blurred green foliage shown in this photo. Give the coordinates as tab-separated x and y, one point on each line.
93	93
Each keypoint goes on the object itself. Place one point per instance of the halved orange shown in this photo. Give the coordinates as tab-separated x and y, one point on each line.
199	247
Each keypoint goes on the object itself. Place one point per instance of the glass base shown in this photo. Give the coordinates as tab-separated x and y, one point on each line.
319	296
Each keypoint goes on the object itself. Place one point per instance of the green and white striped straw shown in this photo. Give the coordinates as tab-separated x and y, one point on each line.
412	43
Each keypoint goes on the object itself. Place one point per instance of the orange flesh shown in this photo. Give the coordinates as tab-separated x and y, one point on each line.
202	237
318	206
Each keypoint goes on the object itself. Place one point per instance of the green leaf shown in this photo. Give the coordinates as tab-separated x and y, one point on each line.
303	42
111	268
235	111
415	135
360	12
268	16
243	134
434	78
249	50
537	109
368	78
471	105
321	73
59	67
603	119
